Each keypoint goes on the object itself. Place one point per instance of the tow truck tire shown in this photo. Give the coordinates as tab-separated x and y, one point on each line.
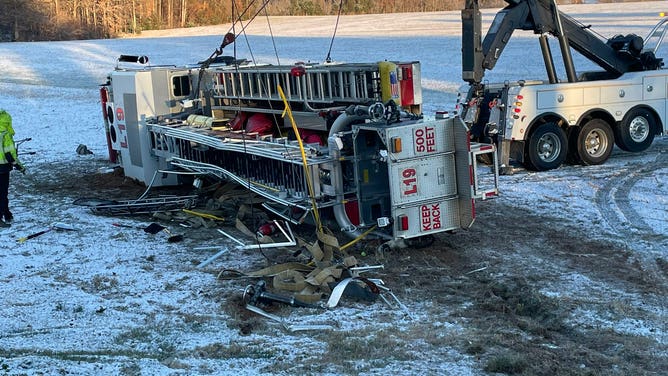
547	148
636	131
595	141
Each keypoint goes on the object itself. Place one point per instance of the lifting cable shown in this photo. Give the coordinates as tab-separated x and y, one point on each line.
243	133
328	59
230	36
307	177
246	159
271	35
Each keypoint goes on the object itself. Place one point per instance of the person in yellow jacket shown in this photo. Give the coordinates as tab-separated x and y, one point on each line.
8	161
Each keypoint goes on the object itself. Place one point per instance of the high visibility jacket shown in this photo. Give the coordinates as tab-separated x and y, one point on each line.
7	147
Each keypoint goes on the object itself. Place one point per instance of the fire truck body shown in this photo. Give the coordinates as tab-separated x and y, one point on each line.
367	158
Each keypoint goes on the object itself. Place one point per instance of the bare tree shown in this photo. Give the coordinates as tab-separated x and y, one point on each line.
69	19
183	13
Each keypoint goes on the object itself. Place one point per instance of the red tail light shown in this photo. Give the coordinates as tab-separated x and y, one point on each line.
403	222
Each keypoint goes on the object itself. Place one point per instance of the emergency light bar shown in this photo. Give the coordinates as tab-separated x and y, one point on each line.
133	59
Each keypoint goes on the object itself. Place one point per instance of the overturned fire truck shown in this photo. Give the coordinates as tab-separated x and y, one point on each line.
356	148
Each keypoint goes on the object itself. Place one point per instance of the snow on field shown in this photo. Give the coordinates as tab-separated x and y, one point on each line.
105	301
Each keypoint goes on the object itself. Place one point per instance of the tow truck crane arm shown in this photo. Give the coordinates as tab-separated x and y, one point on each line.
616	56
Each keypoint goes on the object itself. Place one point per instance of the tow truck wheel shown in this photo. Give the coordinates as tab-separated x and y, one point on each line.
594	142
547	148
636	131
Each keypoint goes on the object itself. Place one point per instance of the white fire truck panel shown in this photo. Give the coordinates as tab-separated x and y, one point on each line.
420	140
427	218
422	179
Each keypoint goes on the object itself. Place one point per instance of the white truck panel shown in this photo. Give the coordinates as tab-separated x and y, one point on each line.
415	180
572	100
428	218
621	93
654	87
135	101
555	99
591	96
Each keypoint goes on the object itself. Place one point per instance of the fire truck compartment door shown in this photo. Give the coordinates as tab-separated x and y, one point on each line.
422	179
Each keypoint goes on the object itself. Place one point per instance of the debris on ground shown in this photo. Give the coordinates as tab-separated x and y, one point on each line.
318	273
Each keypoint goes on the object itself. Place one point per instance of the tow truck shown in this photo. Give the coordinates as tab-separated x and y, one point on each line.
354	149
543	124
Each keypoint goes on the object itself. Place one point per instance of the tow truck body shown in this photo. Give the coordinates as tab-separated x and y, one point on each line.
580	119
368	159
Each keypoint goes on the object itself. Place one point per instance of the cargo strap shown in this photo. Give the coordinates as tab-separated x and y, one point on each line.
269	271
204	215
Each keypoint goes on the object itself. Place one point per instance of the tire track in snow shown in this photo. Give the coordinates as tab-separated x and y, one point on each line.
614	202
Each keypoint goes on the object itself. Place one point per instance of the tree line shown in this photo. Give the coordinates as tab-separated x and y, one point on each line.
32	20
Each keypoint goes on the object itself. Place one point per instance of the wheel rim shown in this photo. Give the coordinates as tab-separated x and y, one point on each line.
549	147
596	143
639	129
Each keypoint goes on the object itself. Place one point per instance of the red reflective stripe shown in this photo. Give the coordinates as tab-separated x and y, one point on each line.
104	98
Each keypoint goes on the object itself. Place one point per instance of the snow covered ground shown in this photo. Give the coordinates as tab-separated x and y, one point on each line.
104	300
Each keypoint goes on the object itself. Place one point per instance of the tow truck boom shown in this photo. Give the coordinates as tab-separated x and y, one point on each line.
543	123
617	55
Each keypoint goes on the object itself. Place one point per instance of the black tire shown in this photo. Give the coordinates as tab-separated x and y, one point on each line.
636	131
594	142
547	148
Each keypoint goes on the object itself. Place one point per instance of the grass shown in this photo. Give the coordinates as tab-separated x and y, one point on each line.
138	334
234	350
103	283
512	364
522	304
90	356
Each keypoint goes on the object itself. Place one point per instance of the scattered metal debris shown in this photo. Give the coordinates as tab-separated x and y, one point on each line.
258	293
327	269
287	326
55	226
140	206
291	242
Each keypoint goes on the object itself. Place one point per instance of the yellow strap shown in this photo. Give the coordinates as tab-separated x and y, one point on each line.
320	277
204	215
350	261
308	295
273	270
365	233
311	192
330	244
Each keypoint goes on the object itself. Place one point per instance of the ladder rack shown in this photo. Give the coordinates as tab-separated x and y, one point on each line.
310	85
270	167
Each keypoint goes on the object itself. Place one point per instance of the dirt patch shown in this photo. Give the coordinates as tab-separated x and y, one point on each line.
536	296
